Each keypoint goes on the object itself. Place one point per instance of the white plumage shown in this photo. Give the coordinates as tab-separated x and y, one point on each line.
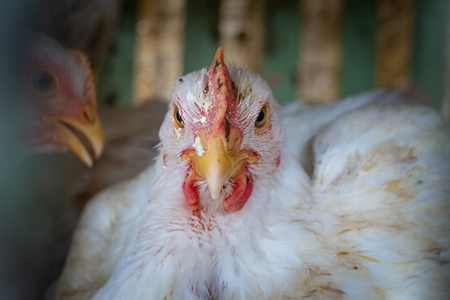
370	222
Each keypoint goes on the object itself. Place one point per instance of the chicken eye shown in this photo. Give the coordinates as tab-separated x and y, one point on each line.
178	120
44	82
261	118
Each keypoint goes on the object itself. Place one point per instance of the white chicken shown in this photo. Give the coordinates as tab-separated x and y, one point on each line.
303	120
59	112
226	212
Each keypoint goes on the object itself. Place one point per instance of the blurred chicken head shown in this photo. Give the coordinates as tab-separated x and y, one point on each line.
59	100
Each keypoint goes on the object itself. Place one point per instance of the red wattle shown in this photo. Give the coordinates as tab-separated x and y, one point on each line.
190	191
242	189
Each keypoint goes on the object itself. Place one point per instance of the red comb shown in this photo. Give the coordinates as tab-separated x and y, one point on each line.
223	90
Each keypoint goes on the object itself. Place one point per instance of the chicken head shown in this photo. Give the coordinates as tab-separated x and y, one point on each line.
59	100
223	131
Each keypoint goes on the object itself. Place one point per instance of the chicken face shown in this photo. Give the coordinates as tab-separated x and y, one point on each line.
223	130
59	100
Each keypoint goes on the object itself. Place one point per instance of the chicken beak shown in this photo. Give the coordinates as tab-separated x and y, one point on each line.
88	125
215	166
219	163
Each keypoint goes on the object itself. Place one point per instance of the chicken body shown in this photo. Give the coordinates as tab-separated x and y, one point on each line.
131	137
59	111
60	186
370	222
302	121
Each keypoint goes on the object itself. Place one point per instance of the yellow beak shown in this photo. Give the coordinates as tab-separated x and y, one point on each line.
219	162
89	126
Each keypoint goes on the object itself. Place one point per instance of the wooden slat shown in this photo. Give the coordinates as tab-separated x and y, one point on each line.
241	32
320	50
395	42
159	48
